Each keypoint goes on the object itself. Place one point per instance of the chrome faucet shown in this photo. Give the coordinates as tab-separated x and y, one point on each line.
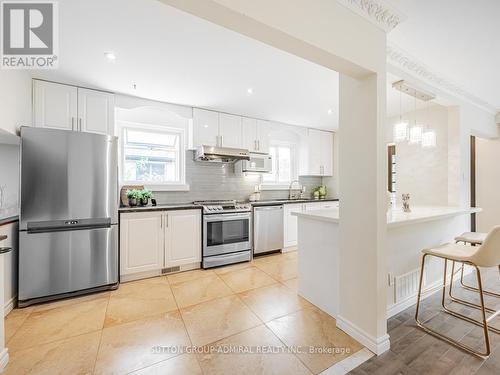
294	193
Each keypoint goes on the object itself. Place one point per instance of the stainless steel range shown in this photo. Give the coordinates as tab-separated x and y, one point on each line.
227	234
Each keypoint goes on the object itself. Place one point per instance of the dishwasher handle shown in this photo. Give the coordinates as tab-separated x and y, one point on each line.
268	208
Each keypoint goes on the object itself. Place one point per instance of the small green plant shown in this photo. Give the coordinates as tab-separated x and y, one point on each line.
134	194
146	194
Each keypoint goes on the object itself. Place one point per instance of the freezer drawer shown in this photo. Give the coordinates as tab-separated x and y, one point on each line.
52	263
268	228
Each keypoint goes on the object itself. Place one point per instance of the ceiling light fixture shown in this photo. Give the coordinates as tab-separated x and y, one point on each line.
429	135
250	91
400	131
415	130
418	134
110	56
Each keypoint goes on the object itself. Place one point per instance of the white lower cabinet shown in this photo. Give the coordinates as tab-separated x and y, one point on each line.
141	242
290	221
182	238
152	241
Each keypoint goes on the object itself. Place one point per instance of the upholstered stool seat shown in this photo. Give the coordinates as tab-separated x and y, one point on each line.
474	238
485	255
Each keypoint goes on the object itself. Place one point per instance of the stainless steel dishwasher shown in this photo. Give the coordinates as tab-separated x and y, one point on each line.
268	229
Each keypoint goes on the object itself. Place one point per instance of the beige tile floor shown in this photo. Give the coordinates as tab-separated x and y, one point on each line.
253	306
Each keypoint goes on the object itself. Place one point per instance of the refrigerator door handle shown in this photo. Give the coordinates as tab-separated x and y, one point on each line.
67	225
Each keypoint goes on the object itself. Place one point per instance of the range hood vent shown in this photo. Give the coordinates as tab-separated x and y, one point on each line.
221	154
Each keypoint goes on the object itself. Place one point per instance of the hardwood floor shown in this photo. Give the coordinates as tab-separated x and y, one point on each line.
415	352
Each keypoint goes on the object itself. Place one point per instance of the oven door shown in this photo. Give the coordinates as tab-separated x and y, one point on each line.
226	233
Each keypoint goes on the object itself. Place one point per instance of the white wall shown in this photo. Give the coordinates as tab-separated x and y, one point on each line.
423	172
488	183
15	99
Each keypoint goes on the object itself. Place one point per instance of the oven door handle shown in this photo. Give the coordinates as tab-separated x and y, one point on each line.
225	217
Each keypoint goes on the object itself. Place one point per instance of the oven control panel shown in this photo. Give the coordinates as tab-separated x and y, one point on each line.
238	207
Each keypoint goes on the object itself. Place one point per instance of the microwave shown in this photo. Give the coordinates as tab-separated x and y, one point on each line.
261	163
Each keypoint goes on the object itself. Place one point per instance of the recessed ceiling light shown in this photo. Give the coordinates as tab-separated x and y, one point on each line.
250	91
330	111
110	56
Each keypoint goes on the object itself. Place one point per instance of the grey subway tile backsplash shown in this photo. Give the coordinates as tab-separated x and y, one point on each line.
209	181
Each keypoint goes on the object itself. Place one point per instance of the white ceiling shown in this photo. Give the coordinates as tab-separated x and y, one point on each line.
175	57
458	39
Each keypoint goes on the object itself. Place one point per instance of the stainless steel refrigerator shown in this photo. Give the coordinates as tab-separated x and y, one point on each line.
68	230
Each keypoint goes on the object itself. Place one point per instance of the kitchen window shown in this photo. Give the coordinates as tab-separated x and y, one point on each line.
284	169
153	156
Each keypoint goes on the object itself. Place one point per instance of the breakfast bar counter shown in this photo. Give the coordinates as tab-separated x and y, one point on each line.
320	256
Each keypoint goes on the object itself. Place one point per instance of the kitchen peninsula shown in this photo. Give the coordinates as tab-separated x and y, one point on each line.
320	257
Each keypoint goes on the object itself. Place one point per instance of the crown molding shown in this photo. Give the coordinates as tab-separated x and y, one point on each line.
378	12
402	60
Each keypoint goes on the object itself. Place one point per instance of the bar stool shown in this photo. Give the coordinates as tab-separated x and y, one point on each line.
474	239
486	255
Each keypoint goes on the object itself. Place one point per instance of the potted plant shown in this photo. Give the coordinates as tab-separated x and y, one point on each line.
145	196
133	196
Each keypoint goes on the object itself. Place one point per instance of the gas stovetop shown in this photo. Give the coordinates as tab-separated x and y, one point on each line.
223	207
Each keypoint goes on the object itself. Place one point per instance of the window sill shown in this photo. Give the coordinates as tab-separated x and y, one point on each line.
166	187
274	186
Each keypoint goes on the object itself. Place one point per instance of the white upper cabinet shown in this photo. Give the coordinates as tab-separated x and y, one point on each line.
206	127
96	110
327	153
67	107
317	158
230	131
249	134
54	105
182	237
216	129
255	135
263	129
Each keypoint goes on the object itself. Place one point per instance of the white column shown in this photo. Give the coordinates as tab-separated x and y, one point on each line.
363	222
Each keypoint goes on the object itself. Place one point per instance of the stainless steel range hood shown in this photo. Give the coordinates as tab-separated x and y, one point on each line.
221	154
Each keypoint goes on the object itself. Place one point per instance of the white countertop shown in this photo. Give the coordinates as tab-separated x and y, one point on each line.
396	217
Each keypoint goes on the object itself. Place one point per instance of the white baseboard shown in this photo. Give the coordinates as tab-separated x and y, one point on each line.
428	291
9	306
377	345
4	359
155	273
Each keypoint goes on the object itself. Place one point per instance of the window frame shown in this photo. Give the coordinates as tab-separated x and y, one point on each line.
180	185
277	185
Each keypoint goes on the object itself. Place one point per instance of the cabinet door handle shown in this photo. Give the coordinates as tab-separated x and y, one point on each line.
80	124
166	221
161	221
72	123
255	145
258	145
221	141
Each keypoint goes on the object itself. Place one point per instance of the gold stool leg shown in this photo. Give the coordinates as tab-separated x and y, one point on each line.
471	288
447	339
461	301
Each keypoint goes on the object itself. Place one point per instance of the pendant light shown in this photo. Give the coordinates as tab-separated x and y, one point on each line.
400	131
416	130
429	135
